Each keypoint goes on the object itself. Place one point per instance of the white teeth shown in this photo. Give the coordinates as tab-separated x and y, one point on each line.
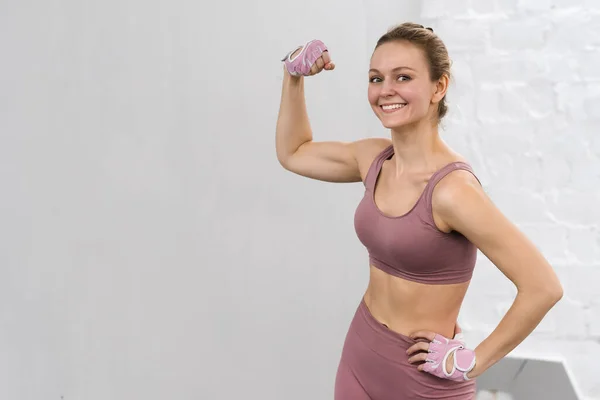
392	106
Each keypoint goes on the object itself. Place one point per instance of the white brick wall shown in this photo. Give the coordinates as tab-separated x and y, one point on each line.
526	95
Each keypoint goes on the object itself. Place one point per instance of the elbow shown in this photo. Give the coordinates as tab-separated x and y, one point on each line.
286	160
554	291
283	161
557	294
549	294
283	157
553	294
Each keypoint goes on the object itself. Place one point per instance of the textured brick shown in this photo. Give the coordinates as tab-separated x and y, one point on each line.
508	68
594	146
522	207
576	282
561	67
523	66
527	95
515	34
567	4
484	318
589	5
479	8
582	176
588	66
565	160
556	172
502	143
565	310
579	101
577	30
515	102
550	239
464	35
535	5
444	8
576	207
593	321
506	138
584	244
505	6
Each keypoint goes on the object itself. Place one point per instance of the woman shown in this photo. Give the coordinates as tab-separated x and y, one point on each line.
422	219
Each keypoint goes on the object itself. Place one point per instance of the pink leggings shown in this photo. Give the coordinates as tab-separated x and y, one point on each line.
374	366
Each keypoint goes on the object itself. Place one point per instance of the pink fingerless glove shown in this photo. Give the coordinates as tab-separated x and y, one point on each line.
302	63
440	349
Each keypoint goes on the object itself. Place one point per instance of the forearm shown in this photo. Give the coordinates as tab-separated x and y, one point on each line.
293	127
526	312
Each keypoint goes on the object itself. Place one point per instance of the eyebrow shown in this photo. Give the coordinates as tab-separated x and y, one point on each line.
394	70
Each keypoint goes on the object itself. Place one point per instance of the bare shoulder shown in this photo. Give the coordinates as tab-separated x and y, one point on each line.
366	150
454	195
454	183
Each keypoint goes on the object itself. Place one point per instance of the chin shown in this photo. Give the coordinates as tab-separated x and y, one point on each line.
395	123
399	123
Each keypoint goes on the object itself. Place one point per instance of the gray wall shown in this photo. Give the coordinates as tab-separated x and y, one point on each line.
152	246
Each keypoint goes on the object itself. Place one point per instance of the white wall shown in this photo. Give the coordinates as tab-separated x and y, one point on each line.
524	108
152	247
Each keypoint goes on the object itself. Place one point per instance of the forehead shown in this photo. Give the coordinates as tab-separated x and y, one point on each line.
396	54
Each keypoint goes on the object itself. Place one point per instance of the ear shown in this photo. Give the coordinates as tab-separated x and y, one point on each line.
440	89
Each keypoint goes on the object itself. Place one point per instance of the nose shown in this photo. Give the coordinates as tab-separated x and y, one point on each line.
387	88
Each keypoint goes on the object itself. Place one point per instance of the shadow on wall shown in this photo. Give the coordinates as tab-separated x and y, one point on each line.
516	378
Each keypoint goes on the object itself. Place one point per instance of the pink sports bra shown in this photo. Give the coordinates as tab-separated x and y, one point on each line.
411	246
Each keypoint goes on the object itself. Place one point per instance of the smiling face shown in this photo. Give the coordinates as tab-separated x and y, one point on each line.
401	91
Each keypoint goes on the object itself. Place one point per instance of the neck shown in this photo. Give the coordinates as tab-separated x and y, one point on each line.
417	147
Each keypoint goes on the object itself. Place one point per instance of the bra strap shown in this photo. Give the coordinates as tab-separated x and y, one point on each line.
375	167
439	175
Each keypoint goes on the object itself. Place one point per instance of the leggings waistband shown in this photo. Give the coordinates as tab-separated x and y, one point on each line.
397	340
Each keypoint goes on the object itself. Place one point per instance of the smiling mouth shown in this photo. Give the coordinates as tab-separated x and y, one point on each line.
390	108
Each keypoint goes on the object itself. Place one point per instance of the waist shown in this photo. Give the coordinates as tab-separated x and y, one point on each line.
406	307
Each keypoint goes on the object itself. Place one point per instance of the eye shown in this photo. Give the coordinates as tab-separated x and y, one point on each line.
402	78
